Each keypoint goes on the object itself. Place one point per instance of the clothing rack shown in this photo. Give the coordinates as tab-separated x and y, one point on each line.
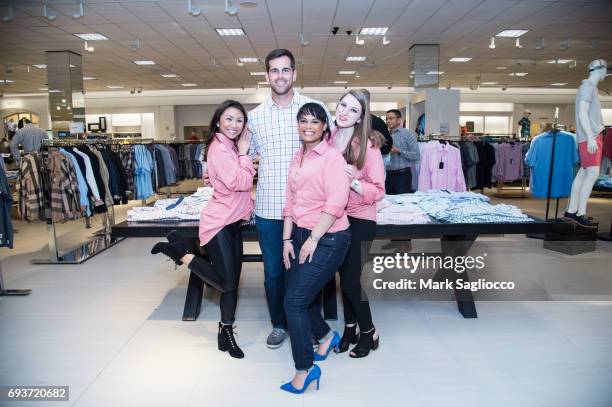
102	240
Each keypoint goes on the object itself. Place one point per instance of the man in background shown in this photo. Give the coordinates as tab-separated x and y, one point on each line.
29	137
403	156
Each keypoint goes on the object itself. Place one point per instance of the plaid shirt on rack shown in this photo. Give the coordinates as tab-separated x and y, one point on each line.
65	194
30	189
275	139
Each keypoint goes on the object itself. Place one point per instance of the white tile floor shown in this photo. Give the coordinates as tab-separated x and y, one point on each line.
111	329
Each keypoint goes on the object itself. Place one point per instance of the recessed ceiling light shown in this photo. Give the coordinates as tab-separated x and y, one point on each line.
560	61
501	67
6	81
511	33
458	59
88	78
435	73
188	85
40	66
257	73
43	89
146	62
355	59
340	82
92	37
517	74
346	72
169	75
230	31
112	87
489	83
247	60
558	84
263	83
54	91
248	4
373	31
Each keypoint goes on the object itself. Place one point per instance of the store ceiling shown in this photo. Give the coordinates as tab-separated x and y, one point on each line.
189	46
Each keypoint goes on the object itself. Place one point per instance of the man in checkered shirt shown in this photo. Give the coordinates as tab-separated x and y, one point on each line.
275	139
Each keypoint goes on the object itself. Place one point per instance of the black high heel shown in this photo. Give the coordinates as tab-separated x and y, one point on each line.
365	345
175	251
349	336
202	267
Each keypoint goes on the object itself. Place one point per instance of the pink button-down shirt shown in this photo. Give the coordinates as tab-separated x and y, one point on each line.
317	183
441	168
372	179
231	177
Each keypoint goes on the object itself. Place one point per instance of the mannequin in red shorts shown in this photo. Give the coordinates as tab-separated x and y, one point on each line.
589	125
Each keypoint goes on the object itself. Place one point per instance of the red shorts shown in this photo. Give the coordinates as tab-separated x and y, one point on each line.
590	160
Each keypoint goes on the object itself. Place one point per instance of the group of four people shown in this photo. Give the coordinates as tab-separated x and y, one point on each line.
315	211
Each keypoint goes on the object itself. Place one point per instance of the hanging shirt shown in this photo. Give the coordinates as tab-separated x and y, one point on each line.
83	188
440	168
587	92
539	158
372	179
317	183
144	168
510	164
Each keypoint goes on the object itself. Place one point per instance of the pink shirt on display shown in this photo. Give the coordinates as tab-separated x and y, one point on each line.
372	179
317	183
231	177
441	168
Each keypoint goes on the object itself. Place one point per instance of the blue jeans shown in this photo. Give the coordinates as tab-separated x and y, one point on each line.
304	283
270	233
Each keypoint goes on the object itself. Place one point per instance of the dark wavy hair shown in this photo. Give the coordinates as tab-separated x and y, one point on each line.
213	128
315	110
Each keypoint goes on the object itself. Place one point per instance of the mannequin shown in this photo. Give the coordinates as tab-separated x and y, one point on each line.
525	124
589	124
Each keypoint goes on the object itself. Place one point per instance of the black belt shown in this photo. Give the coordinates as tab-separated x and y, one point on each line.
394	172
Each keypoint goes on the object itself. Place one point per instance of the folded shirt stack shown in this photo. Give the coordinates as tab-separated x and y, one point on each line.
172	210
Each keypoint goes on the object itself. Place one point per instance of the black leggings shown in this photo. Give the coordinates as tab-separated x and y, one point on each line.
354	299
225	257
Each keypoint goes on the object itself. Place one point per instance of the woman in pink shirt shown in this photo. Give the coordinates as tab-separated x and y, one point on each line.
366	171
317	229
231	172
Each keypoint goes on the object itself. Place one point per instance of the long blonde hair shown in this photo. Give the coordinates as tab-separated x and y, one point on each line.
363	130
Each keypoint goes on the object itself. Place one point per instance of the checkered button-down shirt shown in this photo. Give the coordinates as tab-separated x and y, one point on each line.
275	139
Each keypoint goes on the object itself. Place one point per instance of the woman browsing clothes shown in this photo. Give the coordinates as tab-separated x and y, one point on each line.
230	172
360	146
316	237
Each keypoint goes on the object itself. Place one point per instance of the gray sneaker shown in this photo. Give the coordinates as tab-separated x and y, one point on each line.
276	338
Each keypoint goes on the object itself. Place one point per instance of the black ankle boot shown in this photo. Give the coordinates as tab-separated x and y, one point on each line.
175	251
227	342
192	244
349	337
365	344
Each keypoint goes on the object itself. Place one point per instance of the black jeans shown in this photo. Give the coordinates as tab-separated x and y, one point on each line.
354	299
399	183
225	257
304	282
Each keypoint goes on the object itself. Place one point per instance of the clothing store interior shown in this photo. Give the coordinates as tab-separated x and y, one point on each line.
161	246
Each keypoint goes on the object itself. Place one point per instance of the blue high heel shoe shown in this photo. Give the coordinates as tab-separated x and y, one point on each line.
314	374
333	345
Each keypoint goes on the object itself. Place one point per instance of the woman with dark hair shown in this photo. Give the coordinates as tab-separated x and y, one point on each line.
315	226
230	170
360	146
